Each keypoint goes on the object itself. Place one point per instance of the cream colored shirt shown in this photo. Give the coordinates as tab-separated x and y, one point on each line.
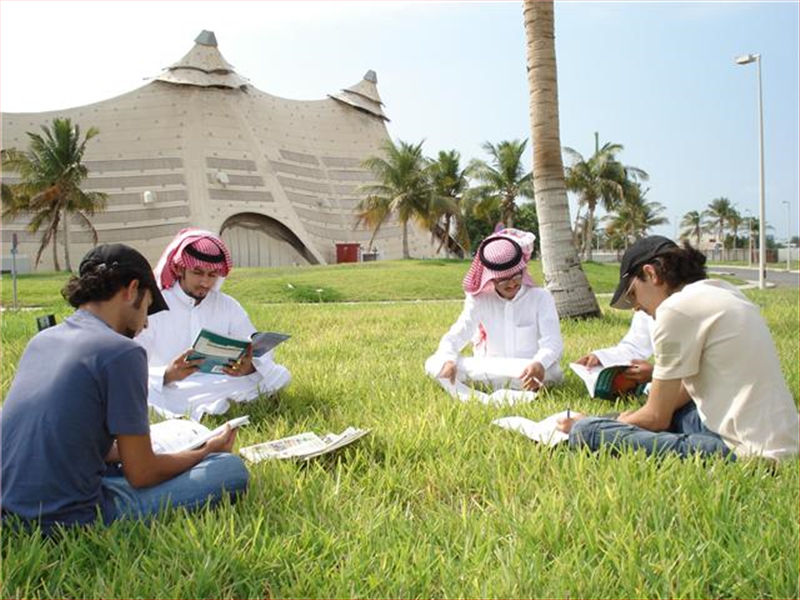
714	339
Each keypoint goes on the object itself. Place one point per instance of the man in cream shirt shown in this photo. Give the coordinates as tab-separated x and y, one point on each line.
717	382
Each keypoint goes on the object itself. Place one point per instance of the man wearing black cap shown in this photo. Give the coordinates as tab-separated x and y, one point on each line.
717	383
78	403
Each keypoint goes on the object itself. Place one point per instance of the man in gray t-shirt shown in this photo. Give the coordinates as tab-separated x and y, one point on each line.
78	403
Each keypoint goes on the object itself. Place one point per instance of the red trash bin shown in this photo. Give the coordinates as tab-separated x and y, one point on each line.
348	253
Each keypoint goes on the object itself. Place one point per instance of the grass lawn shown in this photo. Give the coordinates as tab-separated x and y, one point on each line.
363	282
436	502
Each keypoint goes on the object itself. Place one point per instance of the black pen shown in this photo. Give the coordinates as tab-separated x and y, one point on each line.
568	412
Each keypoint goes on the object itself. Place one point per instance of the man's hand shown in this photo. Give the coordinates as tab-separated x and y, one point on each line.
640	371
448	371
180	368
565	424
532	376
223	442
243	366
589	361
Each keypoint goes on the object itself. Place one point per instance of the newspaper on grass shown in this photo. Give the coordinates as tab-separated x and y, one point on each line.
544	431
178	435
303	446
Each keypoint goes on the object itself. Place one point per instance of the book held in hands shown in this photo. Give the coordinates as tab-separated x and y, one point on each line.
607	382
178	435
219	351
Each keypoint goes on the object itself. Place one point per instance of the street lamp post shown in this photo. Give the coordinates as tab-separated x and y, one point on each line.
762	221
749	238
788	234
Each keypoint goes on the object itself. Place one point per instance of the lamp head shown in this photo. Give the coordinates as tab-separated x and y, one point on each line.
746	59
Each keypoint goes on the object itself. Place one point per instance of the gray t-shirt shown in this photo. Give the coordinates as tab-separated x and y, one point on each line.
77	386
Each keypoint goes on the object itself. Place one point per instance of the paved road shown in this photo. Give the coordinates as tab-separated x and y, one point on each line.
781	278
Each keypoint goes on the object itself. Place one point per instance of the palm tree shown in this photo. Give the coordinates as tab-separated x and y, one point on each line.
51	172
450	184
635	217
735	221
718	212
403	190
502	181
599	179
563	274
693	224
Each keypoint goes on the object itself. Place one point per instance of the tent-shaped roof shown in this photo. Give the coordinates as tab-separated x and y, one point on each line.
363	96
203	66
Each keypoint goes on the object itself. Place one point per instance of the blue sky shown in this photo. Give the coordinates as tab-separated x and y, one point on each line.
657	77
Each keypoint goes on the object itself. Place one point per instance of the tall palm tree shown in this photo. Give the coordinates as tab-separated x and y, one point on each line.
51	172
563	274
502	180
403	189
599	179
450	184
693	224
718	212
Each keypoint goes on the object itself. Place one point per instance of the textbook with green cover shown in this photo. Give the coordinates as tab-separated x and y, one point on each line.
607	382
218	350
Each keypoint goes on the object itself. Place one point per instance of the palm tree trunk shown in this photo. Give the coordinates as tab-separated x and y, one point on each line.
589	235
54	241
563	274
508	217
405	240
66	241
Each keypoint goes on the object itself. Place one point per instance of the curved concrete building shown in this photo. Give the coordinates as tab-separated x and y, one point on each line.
200	146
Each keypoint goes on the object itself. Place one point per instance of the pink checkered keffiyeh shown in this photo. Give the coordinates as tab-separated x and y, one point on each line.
193	248
500	255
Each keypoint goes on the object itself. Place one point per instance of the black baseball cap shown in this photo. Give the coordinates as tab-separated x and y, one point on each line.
642	252
122	256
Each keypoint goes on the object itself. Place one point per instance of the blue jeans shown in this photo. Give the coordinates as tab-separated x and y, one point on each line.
217	476
686	436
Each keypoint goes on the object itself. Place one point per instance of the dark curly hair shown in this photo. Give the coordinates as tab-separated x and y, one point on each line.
678	266
99	283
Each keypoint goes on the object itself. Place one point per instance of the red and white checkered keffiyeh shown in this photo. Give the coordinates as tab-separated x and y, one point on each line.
193	248
502	254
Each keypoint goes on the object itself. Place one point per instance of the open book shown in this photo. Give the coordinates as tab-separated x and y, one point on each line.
178	435
607	382
500	397
302	446
544	432
219	351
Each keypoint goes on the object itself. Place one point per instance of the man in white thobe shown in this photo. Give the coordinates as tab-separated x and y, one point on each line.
190	274
512	323
634	349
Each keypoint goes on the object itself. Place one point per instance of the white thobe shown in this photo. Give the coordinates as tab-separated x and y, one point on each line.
170	333
520	331
636	345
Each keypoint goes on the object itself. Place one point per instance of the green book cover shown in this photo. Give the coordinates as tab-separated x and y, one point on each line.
217	351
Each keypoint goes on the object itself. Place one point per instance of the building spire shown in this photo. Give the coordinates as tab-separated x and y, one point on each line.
204	66
363	96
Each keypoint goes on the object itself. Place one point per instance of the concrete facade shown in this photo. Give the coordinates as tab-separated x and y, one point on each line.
200	146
